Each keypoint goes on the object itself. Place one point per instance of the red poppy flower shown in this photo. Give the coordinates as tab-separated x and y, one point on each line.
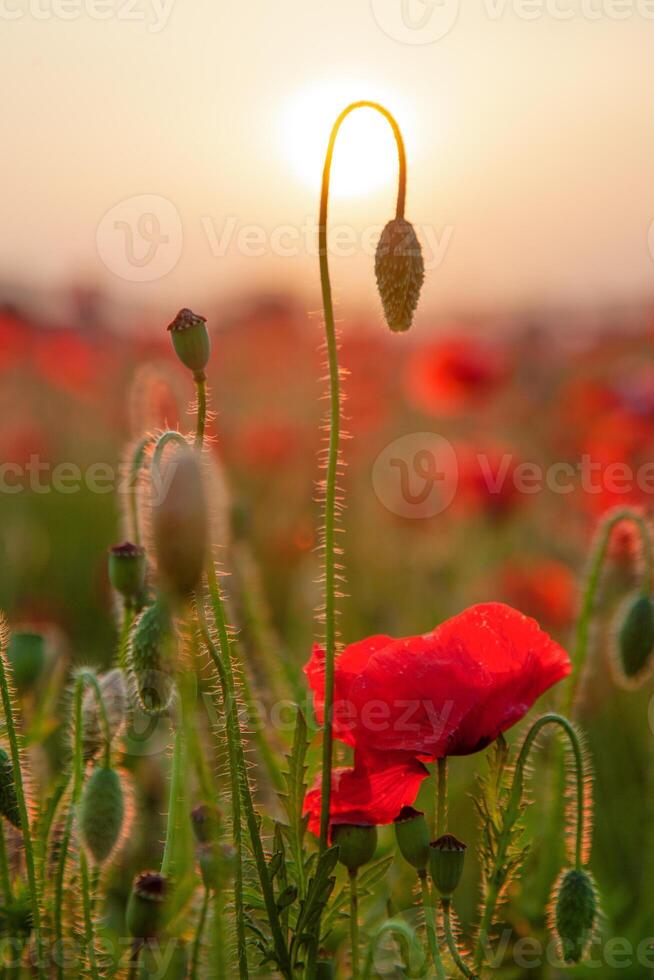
453	374
545	589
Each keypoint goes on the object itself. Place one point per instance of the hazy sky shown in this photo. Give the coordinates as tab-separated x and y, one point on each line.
171	150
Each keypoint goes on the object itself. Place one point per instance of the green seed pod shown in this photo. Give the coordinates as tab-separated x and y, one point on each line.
575	911
127	570
205	821
147	905
101	812
180	522
400	271
357	844
635	638
412	835
446	860
114	697
150	658
26	656
191	341
8	801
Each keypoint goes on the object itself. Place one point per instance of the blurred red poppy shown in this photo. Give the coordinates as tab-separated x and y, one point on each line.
452	375
545	589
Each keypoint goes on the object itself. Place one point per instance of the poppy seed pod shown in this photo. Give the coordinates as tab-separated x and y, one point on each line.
412	836
146	906
26	656
575	910
180	523
357	844
400	271
101	812
127	570
446	860
191	341
150	658
114	697
8	801
635	638
205	821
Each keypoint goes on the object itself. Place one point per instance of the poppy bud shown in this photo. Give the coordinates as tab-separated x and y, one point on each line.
114	698
635	637
8	800
191	341
101	812
575	911
400	272
356	844
412	836
127	570
150	659
446	860
180	523
26	656
146	905
205	821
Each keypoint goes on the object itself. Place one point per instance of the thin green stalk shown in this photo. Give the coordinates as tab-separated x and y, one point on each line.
354	924
14	750
89	932
175	794
452	944
123	641
429	913
441	806
197	942
5	879
132	973
201	390
78	778
138	458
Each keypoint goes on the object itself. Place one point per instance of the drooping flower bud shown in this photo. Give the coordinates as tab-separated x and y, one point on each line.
357	844
147	905
412	835
150	658
400	271
205	821
446	860
8	801
101	812
575	911
635	639
191	341
127	570
26	656
114	697
180	522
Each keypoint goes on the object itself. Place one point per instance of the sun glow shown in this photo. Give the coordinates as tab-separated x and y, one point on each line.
365	157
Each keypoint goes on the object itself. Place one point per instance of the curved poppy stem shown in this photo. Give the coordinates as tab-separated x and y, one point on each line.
137	461
591	588
452	944
429	913
329	543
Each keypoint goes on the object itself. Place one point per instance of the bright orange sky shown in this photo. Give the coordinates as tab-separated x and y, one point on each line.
530	146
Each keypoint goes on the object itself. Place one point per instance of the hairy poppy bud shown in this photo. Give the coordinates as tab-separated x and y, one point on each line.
446	860
26	656
101	812
635	638
575	911
8	800
146	906
180	522
191	341
412	836
150	658
127	570
114	697
205	821
400	272
357	844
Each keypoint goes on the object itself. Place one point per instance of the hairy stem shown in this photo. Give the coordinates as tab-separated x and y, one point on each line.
175	794
137	461
450	939
197	942
201	391
429	913
354	924
441	806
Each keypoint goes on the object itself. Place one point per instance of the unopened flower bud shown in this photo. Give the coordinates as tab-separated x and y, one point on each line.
8	800
150	658
412	835
101	812
357	844
26	656
635	638
127	570
147	905
205	821
114	697
400	271
446	860
180	522
191	341
575	910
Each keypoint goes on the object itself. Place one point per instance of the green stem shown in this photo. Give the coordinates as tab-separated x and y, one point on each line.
450	939
123	641
201	390
429	913
132	973
89	933
331	569
197	943
175	793
78	778
138	458
441	807
354	924
14	749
